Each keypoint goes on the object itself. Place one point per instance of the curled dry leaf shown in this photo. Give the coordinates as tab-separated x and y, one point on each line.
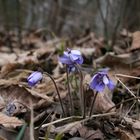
103	103
16	99
10	122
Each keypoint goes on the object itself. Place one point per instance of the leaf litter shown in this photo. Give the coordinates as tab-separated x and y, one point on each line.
16	94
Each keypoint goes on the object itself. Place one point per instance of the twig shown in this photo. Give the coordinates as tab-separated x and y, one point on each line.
130	109
80	118
134	98
38	117
132	94
128	76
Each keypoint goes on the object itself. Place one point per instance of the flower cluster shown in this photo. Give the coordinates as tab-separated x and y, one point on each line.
34	78
71	57
100	80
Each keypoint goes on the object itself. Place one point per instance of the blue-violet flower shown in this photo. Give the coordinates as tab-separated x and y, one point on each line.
100	80
34	78
71	57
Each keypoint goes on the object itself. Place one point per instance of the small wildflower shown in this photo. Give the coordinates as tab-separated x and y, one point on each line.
71	68
71	57
100	80
34	78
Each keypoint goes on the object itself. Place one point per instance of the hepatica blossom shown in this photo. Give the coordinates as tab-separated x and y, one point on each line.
34	78
71	57
100	80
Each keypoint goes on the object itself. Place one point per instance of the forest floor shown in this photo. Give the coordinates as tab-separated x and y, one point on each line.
36	113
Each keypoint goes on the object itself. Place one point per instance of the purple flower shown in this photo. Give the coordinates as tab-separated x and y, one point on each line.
34	78
71	68
100	80
71	57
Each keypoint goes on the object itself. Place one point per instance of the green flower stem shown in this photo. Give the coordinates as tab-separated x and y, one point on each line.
81	90
92	105
69	93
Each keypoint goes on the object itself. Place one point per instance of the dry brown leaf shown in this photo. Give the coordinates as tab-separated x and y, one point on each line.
136	41
16	99
10	122
7	58
120	63
2	138
135	126
103	103
125	135
90	134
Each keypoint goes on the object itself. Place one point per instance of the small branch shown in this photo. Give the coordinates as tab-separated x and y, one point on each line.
125	101
132	94
79	118
128	76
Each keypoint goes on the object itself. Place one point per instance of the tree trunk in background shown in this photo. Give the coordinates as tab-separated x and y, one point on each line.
71	17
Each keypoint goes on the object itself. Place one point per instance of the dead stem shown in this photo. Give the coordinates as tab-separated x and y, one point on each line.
132	94
134	98
80	118
128	76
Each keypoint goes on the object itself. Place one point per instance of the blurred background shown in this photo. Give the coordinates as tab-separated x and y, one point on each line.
70	17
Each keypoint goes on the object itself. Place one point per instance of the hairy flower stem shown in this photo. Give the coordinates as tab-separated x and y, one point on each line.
81	90
69	93
64	114
92	105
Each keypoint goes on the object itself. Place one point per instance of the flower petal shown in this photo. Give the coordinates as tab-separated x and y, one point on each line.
73	57
103	71
34	78
80	60
111	85
100	87
65	60
71	68
66	54
75	52
105	80
94	81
